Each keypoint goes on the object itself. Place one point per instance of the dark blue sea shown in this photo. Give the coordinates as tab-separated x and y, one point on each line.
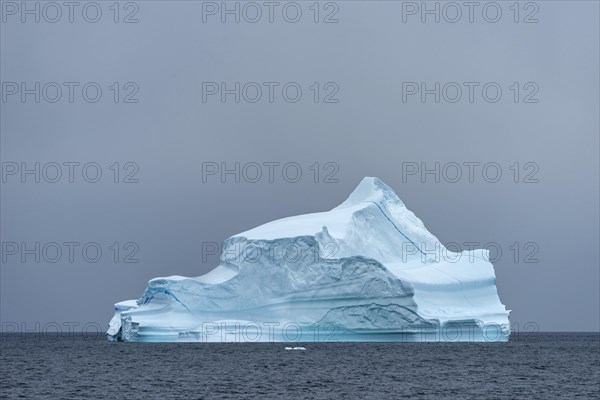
532	366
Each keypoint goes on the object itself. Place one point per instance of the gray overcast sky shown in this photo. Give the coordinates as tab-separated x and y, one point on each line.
373	61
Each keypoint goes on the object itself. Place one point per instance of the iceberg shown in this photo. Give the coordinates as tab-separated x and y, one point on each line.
366	271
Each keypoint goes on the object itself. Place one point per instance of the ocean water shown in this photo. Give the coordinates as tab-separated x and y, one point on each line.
532	366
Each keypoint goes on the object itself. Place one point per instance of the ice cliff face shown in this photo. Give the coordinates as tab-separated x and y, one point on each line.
368	270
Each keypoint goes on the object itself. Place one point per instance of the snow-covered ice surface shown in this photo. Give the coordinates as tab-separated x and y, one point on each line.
368	270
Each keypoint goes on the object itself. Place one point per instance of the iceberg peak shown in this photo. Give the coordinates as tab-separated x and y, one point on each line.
371	189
